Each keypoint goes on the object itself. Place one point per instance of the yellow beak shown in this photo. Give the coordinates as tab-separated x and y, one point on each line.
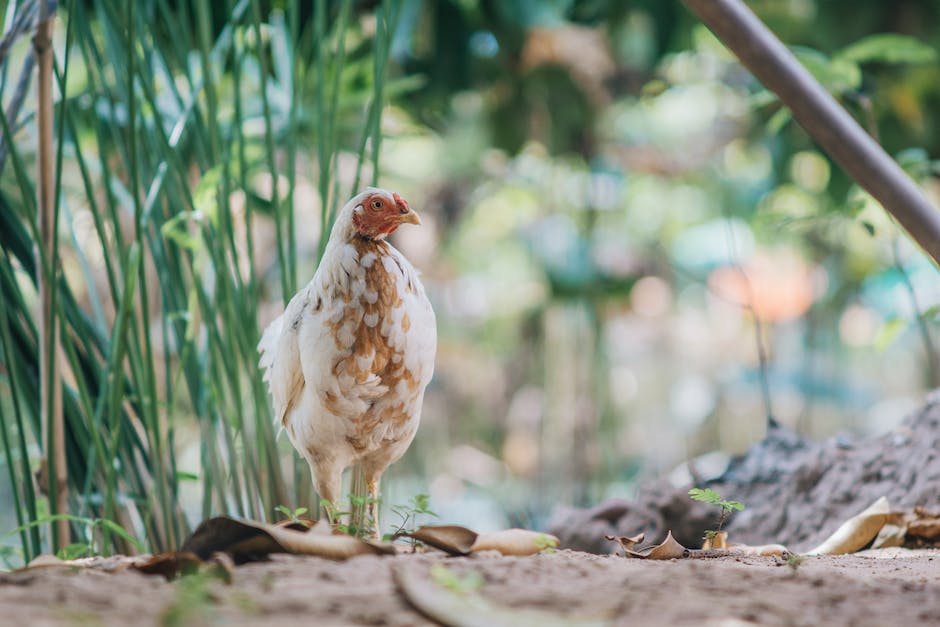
410	218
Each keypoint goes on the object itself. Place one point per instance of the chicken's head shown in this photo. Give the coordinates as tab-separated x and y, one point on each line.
380	212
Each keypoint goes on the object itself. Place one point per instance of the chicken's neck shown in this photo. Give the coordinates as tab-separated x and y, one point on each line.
343	230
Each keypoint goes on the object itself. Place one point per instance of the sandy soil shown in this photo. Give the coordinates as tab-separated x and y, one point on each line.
568	586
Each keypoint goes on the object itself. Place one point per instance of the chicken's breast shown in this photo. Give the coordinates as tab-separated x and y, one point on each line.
348	361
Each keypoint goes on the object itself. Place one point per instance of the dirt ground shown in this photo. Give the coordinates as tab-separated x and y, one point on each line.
564	588
797	492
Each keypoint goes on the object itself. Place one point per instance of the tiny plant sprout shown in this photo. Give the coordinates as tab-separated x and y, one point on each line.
707	495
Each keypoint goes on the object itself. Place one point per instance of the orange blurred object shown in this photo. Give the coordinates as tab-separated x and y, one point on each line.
776	287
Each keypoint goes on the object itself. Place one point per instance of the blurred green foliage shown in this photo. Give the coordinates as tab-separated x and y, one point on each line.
604	160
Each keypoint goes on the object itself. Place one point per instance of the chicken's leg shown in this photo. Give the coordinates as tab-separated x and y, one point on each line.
371	473
372	511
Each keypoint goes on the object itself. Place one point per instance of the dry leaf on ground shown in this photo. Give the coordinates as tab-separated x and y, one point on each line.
627	542
515	542
890	535
452	539
924	526
457	540
856	532
169	565
916	528
335	547
250	541
669	549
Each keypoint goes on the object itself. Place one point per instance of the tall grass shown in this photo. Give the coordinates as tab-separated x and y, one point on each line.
181	133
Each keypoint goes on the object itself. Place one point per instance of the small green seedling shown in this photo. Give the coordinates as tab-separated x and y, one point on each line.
418	505
546	544
93	527
711	497
293	516
355	503
329	510
360	506
794	560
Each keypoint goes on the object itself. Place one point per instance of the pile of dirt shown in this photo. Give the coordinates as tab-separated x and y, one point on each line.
797	492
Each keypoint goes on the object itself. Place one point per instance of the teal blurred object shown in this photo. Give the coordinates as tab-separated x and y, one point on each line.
567	258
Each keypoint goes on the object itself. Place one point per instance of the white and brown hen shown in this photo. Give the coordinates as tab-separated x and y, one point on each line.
349	359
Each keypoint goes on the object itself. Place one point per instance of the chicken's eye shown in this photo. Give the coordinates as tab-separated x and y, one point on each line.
376	204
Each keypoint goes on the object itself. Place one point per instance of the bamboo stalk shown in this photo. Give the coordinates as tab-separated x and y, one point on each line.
53	425
824	119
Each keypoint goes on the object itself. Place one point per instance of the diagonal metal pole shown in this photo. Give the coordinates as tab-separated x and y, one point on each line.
824	119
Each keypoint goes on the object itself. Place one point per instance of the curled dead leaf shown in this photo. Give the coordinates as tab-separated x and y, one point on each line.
244	541
889	536
668	549
169	565
627	542
457	540
335	547
856	532
452	539
248	541
515	542
925	529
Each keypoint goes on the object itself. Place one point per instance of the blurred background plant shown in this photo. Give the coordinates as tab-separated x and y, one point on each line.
634	255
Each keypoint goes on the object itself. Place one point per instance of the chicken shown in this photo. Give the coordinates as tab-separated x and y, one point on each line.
348	361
